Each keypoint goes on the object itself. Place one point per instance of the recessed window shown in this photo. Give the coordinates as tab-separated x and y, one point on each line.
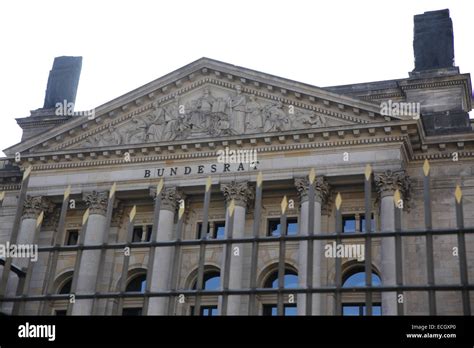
359	309
362	223
355	223
206	311
72	237
66	287
272	309
137	284
211	281
358	279
290	280
215	230
142	233
274	227
60	312
133	311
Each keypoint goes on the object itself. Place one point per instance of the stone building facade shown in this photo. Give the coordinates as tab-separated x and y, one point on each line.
97	178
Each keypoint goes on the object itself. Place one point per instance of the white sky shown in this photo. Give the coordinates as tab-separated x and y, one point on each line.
125	44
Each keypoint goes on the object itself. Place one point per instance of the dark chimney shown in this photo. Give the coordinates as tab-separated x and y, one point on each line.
433	41
63	81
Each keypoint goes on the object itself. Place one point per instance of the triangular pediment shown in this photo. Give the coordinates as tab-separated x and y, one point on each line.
206	99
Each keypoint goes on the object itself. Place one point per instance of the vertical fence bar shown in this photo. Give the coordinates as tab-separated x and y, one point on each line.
310	245
126	260
202	246
77	263
151	252
368	238
227	254
255	245
19	307
176	257
429	237
103	251
338	303
281	256
466	302
52	263
398	250
2	197
15	230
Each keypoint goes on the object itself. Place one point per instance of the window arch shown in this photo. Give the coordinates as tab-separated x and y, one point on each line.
137	283
270	281
355	304
65	288
211	280
290	279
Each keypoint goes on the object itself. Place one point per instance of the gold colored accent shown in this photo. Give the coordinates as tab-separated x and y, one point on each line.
181	211
259	179
426	167
312	176
396	197
85	217
368	172
231	208
284	204
67	192
2	196
159	187
208	183
112	190
27	172
39	220
458	194
338	201
133	212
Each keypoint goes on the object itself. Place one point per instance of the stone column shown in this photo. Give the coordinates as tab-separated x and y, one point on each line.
321	191
241	193
32	207
162	264
89	265
387	183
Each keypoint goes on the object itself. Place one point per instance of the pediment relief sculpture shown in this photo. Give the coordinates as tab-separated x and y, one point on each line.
209	113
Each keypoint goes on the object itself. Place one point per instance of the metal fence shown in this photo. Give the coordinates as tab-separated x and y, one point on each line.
255	240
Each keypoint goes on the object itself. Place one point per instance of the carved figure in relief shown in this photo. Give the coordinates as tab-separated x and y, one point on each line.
276	119
237	104
307	118
253	118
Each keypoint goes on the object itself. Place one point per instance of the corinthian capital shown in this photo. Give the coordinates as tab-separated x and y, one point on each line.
240	192
389	181
96	201
321	188
170	196
33	206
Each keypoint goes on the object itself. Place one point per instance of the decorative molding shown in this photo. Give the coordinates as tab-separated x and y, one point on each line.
240	192
96	201
321	189
388	182
34	205
170	197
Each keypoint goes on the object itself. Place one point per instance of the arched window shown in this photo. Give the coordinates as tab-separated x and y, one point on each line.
65	288
134	306
290	280
270	301
355	277
211	280
137	284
